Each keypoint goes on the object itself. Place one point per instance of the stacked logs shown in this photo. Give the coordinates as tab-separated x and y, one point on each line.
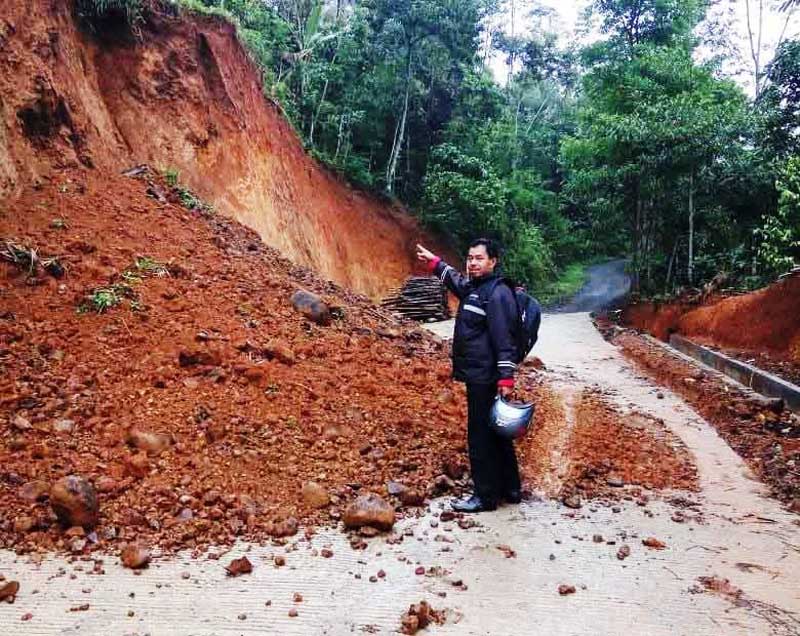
421	298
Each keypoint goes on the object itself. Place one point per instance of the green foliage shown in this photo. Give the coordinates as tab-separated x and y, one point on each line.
780	101
628	147
150	266
98	13
171	176
564	286
188	199
466	199
779	234
662	165
101	299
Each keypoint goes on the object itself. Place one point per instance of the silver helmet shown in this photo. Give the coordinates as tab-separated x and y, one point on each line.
511	419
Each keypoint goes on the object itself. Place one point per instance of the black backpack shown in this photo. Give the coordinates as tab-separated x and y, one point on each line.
529	316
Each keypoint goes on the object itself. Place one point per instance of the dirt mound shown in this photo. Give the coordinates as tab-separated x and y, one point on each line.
185	96
167	366
766	321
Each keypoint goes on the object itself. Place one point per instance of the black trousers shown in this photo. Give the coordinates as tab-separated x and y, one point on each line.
492	459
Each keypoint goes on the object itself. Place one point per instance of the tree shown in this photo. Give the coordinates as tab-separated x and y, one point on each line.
779	234
780	101
654	135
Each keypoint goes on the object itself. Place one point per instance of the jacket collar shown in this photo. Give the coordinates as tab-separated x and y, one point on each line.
477	282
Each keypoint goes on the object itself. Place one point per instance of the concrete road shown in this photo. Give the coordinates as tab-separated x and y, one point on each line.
745	537
606	286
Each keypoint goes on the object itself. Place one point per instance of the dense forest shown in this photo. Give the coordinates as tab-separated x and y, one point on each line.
633	145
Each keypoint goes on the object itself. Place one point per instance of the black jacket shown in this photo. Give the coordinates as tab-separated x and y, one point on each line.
484	343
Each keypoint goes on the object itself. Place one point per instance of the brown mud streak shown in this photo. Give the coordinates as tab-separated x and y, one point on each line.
745	423
631	448
580	441
539	451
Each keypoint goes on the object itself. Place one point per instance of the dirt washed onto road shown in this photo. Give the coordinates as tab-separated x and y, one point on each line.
764	434
721	559
200	406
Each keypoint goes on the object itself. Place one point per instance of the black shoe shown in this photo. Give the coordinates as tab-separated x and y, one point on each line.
474	504
513	496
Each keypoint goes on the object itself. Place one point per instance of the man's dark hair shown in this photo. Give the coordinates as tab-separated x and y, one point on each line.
492	248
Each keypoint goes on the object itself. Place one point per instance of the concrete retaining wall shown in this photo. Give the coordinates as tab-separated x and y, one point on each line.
746	374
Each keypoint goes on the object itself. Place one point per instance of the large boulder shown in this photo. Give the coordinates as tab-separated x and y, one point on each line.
311	306
369	510
74	501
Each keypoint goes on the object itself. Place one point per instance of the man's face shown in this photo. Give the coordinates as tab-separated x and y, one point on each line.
479	263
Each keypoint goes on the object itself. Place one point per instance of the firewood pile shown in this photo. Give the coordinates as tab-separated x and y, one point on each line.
421	298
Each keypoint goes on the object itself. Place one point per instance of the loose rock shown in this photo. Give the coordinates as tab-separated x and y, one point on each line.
9	591
152	443
239	566
135	557
74	501
315	495
369	510
311	306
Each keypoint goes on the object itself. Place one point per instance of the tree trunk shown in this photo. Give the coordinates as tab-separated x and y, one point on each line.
690	269
671	264
339	136
516	136
400	131
637	240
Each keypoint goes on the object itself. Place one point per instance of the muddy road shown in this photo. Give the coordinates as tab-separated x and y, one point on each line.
498	577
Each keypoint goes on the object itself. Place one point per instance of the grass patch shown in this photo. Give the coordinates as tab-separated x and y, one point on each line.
150	266
568	283
188	199
171	176
101	299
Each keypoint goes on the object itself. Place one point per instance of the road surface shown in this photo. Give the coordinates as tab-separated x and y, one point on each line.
606	286
745	537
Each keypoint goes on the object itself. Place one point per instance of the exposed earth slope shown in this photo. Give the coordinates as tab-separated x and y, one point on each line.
184	96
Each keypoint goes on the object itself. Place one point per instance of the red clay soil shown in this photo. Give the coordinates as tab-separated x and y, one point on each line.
763	323
253	399
534	451
561	460
608	449
766	438
185	96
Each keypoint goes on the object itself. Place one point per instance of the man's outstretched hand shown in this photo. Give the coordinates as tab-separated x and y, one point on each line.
425	255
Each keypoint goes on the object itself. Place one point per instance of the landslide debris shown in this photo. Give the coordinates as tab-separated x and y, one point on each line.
762	432
210	410
609	450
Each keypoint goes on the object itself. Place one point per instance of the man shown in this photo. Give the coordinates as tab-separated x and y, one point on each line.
484	357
